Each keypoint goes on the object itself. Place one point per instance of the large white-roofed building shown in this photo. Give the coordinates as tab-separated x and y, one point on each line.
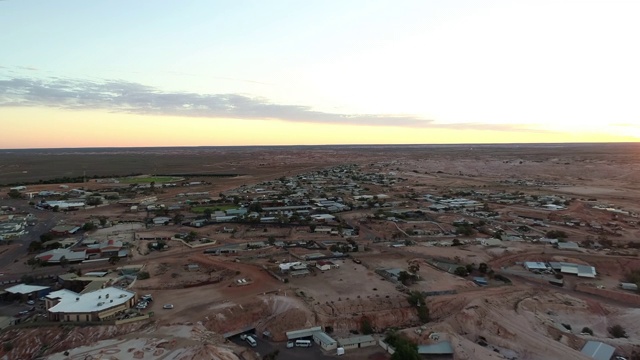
98	305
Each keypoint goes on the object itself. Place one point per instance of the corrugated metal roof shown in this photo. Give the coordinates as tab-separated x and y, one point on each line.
598	350
297	334
324	338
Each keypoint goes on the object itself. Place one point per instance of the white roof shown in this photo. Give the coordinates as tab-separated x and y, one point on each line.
94	301
535	265
25	289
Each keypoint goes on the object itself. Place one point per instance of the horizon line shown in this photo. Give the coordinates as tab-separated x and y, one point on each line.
325	145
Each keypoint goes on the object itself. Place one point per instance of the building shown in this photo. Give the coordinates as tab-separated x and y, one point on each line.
99	305
356	342
629	286
579	270
27	292
568	245
441	348
64	230
325	265
598	351
55	256
325	341
530	265
303	334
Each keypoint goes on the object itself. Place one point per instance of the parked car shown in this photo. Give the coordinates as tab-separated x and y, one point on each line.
243	336
168	306
31	302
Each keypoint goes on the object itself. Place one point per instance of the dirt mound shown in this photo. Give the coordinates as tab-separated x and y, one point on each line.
276	314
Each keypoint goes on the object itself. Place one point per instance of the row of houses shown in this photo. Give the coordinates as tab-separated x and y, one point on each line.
105	249
580	270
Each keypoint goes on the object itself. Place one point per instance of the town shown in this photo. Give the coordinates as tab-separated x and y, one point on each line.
411	253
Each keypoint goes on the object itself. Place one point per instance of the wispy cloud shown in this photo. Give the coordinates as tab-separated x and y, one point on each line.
128	97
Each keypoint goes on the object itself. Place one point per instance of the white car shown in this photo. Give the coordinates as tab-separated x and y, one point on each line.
168	306
30	302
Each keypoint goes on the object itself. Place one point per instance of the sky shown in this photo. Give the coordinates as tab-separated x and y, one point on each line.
77	73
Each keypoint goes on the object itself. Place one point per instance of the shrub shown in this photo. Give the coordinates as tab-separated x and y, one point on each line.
617	331
587	330
142	275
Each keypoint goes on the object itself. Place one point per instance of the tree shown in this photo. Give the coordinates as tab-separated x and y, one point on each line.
178	218
414	267
406	350
365	326
617	331
207	213
405	278
46	237
312	227
456	242
114	259
88	226
103	221
34	246
556	234
483	267
587	330
271	240
470	268
142	275
14	194
64	261
461	271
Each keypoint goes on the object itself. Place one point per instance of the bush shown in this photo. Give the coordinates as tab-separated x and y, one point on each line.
142	275
587	330
7	346
617	331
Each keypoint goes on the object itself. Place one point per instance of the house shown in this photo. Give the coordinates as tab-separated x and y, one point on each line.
598	350
64	230
323	265
56	255
356	342
568	245
103	304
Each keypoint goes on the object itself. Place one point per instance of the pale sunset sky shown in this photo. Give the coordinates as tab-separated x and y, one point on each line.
78	73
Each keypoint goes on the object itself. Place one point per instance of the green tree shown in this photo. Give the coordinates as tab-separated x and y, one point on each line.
114	260
461	271
208	212
14	194
64	261
271	240
88	226
406	350
556	234
456	242
405	278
